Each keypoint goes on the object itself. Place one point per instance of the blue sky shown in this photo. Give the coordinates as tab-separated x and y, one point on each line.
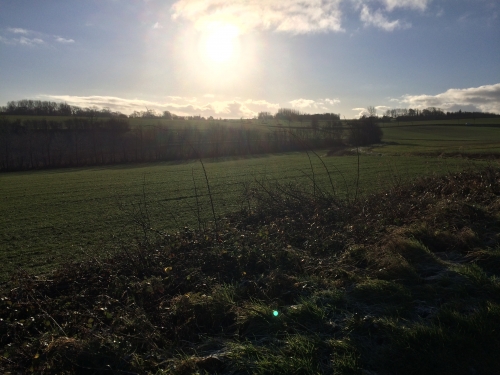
234	58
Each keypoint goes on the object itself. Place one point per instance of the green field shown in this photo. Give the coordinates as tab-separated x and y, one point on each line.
428	138
49	217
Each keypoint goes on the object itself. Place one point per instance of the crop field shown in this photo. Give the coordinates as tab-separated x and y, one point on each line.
50	217
423	138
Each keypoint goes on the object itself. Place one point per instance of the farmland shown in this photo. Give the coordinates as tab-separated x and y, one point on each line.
307	280
403	282
49	217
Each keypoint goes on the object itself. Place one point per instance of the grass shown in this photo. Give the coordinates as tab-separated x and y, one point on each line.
436	140
48	217
403	281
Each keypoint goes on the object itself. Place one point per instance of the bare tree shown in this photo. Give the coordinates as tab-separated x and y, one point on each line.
372	111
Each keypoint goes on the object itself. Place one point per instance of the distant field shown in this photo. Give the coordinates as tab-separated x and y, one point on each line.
48	217
471	122
449	139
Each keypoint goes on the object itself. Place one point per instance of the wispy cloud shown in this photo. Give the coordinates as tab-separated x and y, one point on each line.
361	112
29	42
25	37
157	25
293	16
378	19
332	101
183	106
3	40
364	111
313	105
64	40
483	98
17	30
22	37
303	103
412	4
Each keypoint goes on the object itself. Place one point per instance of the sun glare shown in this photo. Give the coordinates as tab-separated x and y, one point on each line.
221	43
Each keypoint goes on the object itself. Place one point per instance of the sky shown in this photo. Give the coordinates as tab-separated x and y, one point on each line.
235	58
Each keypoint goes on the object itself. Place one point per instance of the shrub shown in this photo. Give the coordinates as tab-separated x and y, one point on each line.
364	131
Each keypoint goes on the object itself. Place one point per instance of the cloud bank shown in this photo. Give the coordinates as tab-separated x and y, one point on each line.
291	16
483	98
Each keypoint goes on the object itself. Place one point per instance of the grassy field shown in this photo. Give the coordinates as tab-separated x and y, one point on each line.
405	281
433	139
48	217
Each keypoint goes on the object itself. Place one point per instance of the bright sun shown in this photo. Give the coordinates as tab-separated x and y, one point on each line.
221	43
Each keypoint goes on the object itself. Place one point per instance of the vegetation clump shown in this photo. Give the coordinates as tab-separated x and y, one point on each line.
364	132
400	282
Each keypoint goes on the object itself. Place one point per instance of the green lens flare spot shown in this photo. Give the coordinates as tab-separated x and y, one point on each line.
275	313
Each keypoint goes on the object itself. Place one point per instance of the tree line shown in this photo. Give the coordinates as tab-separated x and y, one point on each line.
432	113
45	143
27	107
101	137
290	115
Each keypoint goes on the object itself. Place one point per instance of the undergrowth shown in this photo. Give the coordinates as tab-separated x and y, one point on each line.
401	282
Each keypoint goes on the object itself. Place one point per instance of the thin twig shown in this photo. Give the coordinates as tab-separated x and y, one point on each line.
48	315
197	202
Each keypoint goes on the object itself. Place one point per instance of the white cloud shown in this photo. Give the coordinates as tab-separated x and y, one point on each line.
18	30
313	105
31	38
361	112
294	16
413	4
29	42
157	25
182	106
303	103
263	104
483	98
332	101
378	19
63	40
5	40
